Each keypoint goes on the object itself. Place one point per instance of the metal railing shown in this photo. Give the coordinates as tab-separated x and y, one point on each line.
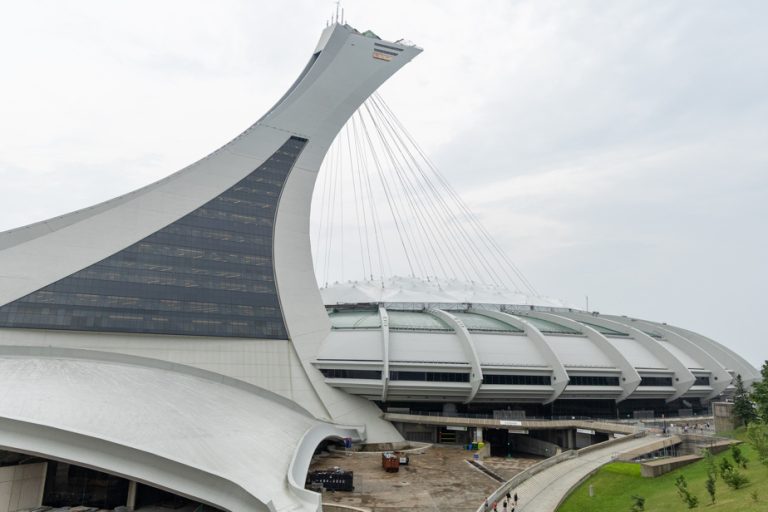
496	416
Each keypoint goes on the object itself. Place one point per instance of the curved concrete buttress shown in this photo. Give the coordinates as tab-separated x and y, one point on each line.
559	373
175	427
476	372
721	379
728	358
684	379
342	77
630	379
127	462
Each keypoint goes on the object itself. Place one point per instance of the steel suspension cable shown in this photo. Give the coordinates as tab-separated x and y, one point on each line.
388	194
406	189
496	249
479	255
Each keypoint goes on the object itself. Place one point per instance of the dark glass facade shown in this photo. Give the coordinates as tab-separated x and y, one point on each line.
655	381
517	380
701	381
429	376
210	273
336	373
593	380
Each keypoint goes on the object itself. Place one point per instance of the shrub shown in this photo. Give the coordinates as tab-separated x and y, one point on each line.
725	466
735	479
638	505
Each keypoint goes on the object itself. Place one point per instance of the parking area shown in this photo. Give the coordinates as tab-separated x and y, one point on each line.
439	479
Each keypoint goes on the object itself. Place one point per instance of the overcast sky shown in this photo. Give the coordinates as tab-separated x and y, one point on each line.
614	149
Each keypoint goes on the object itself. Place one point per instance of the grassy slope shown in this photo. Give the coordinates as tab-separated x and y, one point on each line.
615	483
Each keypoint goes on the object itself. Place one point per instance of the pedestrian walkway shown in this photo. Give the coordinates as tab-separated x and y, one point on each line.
544	491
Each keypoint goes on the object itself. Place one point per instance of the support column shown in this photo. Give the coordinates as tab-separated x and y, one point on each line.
384	317
131	501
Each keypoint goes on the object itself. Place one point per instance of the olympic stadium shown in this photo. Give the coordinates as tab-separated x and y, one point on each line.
174	341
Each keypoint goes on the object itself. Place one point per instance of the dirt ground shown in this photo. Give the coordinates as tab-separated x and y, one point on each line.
440	479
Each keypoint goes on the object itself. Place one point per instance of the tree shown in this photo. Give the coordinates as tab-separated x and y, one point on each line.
725	466
758	437
682	491
710	484
711	465
759	394
743	408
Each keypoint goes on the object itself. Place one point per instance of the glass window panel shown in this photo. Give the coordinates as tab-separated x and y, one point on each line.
209	273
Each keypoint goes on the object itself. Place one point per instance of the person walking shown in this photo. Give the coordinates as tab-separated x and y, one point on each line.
515	498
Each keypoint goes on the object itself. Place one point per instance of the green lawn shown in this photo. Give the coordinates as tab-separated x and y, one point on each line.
615	483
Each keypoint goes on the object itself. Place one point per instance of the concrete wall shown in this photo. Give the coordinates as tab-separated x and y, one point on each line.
527	444
724	418
22	486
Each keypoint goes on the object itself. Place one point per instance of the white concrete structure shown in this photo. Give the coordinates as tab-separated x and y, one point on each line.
167	335
530	350
175	336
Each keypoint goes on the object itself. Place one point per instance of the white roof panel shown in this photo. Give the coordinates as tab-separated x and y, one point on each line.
686	358
578	351
506	350
636	353
357	345
425	347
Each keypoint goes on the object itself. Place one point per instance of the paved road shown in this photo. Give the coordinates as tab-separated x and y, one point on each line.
542	492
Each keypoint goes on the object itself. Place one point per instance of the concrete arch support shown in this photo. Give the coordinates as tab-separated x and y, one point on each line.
559	374
720	376
724	355
684	379
630	379
384	352
476	373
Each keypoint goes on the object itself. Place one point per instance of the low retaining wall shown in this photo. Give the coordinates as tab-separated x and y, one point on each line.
337	507
659	467
403	446
696	443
